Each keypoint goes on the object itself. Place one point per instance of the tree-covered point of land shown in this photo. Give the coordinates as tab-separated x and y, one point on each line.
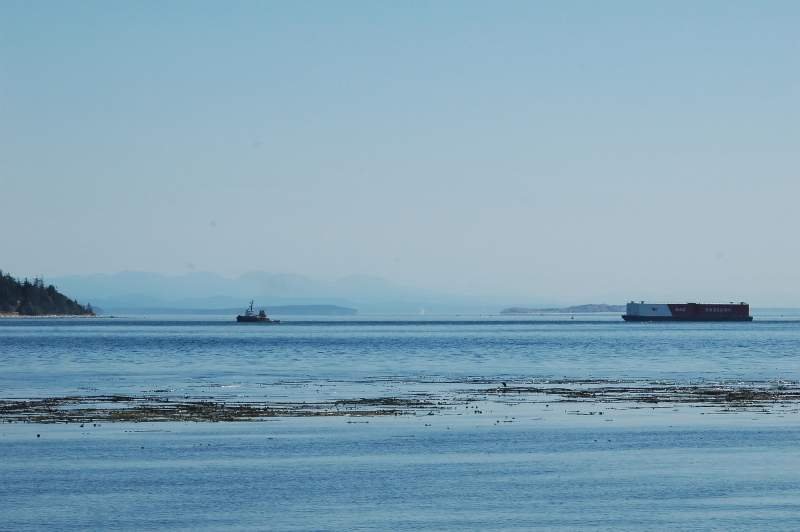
33	298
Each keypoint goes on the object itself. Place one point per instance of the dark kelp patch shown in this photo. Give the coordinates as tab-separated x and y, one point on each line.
698	394
760	396
89	409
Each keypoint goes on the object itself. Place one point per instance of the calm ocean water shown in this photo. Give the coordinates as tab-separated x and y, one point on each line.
643	469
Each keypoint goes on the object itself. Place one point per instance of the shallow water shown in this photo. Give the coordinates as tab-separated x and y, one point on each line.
510	466
302	474
49	357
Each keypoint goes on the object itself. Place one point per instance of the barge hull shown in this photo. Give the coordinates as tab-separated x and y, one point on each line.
643	311
671	318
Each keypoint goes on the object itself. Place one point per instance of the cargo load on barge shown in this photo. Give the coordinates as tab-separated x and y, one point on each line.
687	312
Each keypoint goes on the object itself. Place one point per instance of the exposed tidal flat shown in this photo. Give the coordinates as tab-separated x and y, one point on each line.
482	424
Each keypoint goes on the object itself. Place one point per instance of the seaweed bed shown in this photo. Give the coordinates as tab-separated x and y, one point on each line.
664	393
152	408
88	409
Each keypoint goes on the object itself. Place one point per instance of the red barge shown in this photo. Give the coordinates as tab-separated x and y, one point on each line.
687	312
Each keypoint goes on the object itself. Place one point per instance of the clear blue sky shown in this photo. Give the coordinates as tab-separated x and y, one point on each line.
559	151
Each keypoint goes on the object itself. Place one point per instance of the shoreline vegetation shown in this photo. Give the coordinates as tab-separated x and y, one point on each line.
33	299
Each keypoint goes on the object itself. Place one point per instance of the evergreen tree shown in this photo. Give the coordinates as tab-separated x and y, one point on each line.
35	299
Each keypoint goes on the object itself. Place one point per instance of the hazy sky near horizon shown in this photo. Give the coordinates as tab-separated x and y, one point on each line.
554	151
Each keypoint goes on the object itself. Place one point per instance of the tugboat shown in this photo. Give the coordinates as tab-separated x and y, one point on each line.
250	316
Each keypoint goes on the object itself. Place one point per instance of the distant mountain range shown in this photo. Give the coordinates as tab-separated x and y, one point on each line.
578	309
272	310
149	292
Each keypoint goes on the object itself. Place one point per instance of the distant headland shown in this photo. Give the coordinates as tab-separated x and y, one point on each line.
33	298
578	309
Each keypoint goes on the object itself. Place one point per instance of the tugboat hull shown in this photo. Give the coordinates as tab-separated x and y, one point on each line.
255	319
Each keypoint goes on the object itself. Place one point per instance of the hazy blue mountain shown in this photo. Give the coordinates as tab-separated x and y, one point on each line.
144	287
282	285
274	311
201	290
576	309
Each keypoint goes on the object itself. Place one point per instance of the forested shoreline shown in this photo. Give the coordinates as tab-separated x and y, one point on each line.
33	298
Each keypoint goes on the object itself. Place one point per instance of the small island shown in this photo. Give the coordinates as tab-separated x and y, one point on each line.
33	298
